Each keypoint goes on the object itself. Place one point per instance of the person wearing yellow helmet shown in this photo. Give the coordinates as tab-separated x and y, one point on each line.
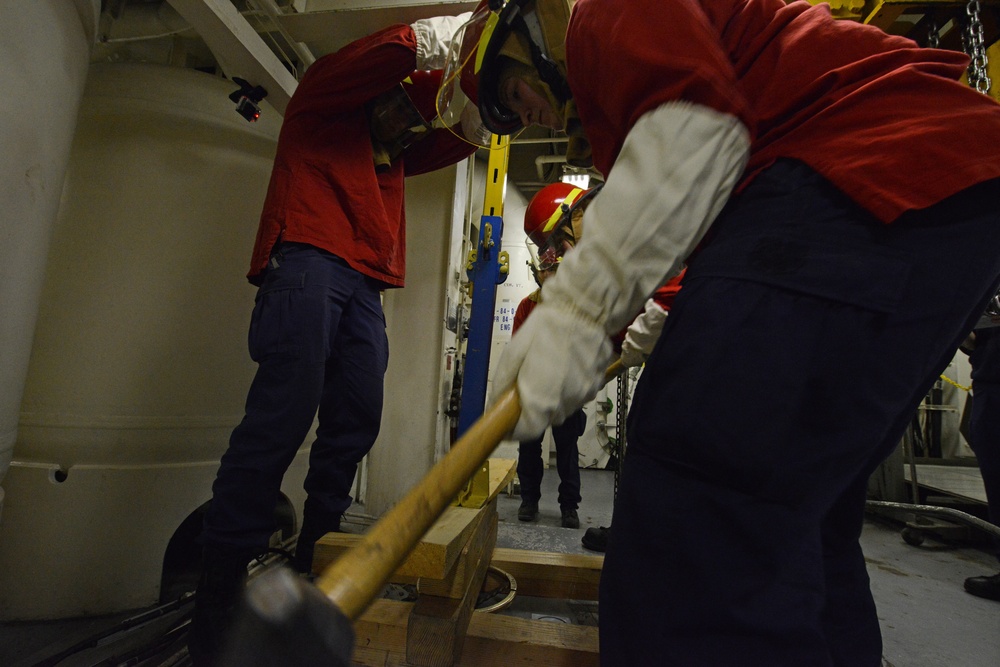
833	190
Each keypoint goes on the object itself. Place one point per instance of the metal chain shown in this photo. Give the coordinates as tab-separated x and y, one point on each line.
620	421
933	34
976	48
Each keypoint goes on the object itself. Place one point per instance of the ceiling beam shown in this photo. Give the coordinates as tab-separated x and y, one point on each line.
331	24
238	48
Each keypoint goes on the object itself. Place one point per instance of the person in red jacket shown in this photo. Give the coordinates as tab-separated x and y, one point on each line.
832	190
331	237
553	222
543	225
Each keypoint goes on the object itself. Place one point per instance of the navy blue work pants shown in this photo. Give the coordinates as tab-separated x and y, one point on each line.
530	468
984	424
801	344
318	336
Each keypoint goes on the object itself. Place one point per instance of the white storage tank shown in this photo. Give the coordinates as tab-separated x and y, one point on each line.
139	365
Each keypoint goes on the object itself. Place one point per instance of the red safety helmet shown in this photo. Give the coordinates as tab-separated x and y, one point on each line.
547	208
548	222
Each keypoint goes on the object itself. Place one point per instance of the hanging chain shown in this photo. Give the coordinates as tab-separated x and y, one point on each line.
976	48
620	427
933	34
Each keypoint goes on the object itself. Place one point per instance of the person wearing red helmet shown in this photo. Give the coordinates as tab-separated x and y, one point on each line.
549	212
331	237
553	223
832	190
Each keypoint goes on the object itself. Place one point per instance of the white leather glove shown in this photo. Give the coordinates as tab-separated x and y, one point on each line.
642	334
578	347
676	170
434	37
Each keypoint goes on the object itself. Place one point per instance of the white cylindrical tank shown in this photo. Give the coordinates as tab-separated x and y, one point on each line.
45	47
139	367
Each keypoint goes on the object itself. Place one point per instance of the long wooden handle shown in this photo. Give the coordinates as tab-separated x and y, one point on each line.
354	579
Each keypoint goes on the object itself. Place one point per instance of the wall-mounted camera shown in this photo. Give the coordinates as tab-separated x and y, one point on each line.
246	99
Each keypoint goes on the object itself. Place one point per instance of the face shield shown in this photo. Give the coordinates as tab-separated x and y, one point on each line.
459	80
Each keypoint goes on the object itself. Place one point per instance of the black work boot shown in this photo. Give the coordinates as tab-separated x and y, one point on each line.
314	526
984	587
223	577
528	511
570	519
596	539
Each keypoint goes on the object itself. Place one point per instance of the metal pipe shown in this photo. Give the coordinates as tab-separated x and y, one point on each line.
549	140
940	512
547	159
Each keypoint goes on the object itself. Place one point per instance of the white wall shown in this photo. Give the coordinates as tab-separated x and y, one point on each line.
413	416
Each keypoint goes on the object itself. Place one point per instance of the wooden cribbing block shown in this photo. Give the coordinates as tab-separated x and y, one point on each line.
437	625
456	583
551	575
492	640
437	552
433	557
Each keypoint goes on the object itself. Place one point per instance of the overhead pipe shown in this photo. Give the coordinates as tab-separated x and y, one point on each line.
547	159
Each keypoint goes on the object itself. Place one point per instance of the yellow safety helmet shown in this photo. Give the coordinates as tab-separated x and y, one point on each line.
529	32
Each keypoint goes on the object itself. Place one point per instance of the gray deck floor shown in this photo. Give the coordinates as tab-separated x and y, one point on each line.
928	620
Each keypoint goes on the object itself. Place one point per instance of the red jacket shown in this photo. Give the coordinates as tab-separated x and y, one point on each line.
524	309
664	297
886	121
324	189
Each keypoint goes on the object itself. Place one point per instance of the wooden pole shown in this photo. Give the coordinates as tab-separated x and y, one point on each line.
357	577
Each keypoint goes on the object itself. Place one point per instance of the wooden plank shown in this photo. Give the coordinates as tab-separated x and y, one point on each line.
439	549
433	556
502	472
455	584
552	575
538	574
493	640
436	629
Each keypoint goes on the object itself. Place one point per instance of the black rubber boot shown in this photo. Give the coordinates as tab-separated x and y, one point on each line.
596	539
314	526
984	587
223	578
528	511
570	518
